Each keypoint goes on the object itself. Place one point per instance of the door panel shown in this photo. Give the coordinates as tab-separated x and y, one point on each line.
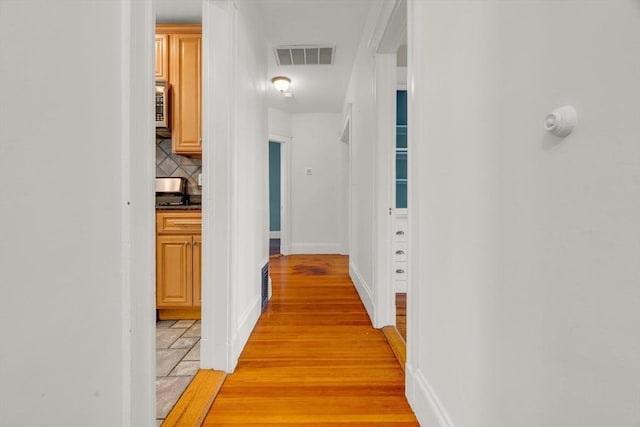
173	271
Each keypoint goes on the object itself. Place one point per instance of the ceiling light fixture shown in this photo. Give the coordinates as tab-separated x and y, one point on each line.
281	83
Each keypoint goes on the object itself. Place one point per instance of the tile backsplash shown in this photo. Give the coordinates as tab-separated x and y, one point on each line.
169	164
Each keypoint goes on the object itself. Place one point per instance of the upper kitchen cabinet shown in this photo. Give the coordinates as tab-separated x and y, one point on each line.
185	78
162	57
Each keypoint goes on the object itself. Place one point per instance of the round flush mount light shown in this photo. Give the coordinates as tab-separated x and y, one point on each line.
281	83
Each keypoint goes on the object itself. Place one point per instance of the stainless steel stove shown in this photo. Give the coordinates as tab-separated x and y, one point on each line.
171	191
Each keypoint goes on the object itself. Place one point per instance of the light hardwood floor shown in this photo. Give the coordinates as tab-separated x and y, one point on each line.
313	359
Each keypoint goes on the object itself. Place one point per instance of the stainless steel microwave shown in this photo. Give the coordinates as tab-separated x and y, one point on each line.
162	104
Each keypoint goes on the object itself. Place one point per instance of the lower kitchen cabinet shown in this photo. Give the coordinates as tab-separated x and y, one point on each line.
178	264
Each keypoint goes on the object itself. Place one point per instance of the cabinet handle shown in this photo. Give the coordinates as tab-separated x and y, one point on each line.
400	271
400	233
195	243
200	141
188	222
186	243
400	252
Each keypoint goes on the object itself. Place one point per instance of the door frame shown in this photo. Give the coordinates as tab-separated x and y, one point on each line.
345	137
387	37
218	23
138	214
219	204
385	313
138	397
285	191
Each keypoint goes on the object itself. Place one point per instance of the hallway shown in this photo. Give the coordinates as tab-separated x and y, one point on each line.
313	358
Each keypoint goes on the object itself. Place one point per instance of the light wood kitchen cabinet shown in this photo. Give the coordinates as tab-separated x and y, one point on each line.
178	264
174	271
162	57
185	78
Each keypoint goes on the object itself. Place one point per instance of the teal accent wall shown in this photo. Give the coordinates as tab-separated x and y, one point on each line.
274	186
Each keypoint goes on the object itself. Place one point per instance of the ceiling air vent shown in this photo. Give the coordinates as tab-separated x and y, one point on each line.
304	55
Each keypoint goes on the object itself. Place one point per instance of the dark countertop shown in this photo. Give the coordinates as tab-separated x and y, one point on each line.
179	208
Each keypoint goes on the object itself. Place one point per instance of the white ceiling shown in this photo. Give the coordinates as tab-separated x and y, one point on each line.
178	11
339	23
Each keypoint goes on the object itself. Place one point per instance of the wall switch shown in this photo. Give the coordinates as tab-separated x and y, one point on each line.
307	171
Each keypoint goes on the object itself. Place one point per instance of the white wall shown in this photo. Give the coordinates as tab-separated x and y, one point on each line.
252	169
361	95
70	336
523	293
317	219
235	190
279	123
316	199
401	74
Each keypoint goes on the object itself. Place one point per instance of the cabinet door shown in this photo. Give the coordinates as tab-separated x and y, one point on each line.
174	273
186	77
162	57
197	266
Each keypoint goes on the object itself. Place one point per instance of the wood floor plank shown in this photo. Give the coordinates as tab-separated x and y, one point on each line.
194	403
313	359
397	344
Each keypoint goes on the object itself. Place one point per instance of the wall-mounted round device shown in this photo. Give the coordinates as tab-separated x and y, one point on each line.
561	121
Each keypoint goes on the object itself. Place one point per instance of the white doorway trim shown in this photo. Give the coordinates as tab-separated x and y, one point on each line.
384	211
219	227
387	37
285	191
138	215
345	136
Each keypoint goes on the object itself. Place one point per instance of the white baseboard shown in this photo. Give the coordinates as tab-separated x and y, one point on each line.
363	290
315	248
274	234
424	401
343	249
245	325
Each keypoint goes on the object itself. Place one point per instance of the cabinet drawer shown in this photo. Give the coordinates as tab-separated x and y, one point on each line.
399	271
400	229
179	222
400	251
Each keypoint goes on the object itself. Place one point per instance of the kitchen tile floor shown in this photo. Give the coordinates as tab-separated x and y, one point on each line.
177	361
